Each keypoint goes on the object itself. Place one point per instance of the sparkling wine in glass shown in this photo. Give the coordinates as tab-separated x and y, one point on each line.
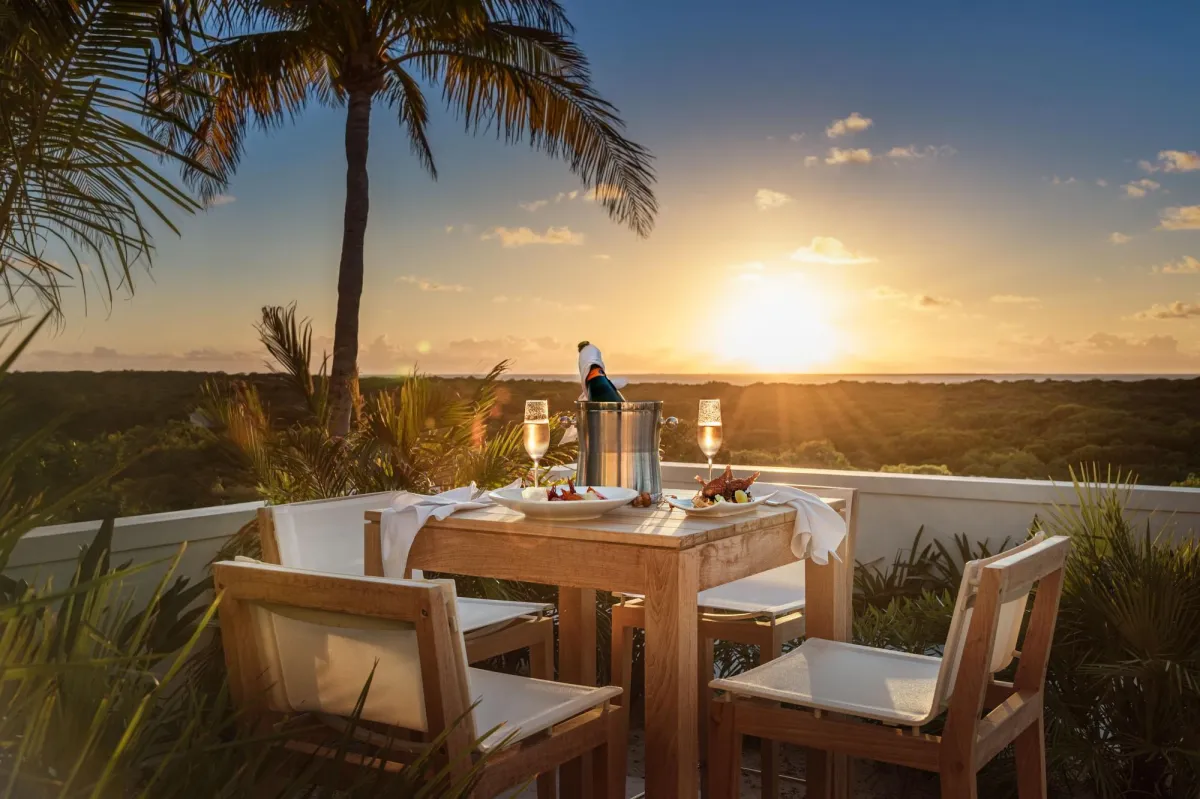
537	431
708	430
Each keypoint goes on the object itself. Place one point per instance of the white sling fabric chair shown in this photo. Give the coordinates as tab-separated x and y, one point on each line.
301	641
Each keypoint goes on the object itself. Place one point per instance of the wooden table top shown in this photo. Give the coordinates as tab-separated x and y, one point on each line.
659	527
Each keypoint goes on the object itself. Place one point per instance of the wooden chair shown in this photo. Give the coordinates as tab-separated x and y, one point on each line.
834	682
300	646
327	535
764	610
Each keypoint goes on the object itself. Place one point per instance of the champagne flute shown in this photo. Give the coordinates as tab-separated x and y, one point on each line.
537	431
708	430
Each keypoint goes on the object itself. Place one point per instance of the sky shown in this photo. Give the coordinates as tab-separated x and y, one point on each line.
844	187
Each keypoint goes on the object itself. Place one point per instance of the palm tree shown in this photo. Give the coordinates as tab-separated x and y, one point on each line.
503	65
78	175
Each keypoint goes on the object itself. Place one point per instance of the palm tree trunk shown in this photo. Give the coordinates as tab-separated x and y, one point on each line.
350	272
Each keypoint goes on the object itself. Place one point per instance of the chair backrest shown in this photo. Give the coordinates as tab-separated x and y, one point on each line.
1016	571
322	535
299	640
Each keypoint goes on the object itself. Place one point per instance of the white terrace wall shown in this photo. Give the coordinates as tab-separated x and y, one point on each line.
51	552
893	506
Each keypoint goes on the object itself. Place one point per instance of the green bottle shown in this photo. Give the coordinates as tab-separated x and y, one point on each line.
591	372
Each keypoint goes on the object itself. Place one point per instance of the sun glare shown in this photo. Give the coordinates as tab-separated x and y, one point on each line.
778	324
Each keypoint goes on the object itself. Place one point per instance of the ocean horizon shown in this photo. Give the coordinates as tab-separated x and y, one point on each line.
747	379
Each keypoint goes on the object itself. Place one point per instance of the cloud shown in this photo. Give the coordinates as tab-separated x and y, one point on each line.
522	236
795	137
1140	188
535	205
765	199
220	199
917	302
811	160
1187	265
103	359
1101	182
837	155
425	284
828	250
1119	238
1185	217
929	302
564	196
912	152
1173	161
1015	299
1057	181
1101	352
557	305
1172	310
449	228
854	123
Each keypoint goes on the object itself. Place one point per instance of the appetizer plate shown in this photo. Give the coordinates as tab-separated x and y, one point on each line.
718	510
574	511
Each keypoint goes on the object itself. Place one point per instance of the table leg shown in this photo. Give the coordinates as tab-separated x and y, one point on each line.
672	581
576	664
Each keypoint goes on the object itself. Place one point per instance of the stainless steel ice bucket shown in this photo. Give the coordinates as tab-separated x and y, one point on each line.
618	445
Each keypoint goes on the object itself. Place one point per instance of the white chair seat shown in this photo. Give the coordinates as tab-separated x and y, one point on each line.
776	592
522	706
477	614
893	687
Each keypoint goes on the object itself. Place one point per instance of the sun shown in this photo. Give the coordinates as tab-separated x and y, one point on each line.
778	324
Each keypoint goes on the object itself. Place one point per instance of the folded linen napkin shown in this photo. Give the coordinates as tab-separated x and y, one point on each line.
819	528
400	523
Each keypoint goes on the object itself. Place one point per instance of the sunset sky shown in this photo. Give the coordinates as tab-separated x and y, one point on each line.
844	187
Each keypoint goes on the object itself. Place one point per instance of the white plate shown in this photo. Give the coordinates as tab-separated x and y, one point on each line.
566	511
719	509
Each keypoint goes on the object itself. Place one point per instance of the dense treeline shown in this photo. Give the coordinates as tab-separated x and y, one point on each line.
1024	429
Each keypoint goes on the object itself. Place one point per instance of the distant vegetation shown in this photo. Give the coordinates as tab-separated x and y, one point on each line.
1021	430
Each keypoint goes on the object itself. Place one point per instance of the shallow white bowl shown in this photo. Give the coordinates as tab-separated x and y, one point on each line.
565	511
719	509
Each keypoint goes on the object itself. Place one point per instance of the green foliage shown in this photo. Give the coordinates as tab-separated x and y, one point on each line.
916	468
1124	680
78	178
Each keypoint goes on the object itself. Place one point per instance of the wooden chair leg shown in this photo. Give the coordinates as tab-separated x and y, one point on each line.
959	785
1030	748
541	655
621	654
724	751
704	677
608	763
769	749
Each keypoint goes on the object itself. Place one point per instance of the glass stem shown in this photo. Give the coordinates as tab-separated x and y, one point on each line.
710	470
535	471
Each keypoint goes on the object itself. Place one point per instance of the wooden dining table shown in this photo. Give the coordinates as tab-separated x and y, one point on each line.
669	558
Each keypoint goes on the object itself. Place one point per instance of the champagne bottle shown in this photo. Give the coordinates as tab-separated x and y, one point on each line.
599	387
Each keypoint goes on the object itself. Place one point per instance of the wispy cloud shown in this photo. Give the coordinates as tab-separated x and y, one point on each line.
1140	188
425	284
912	152
828	250
523	236
795	137
766	199
220	199
811	160
837	155
535	205
552	304
1173	310
1101	182
1119	238
1184	217
917	302
1057	181
854	123
1015	299
1187	265
1173	161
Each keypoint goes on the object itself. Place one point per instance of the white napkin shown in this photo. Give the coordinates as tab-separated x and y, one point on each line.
590	356
400	523
819	528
